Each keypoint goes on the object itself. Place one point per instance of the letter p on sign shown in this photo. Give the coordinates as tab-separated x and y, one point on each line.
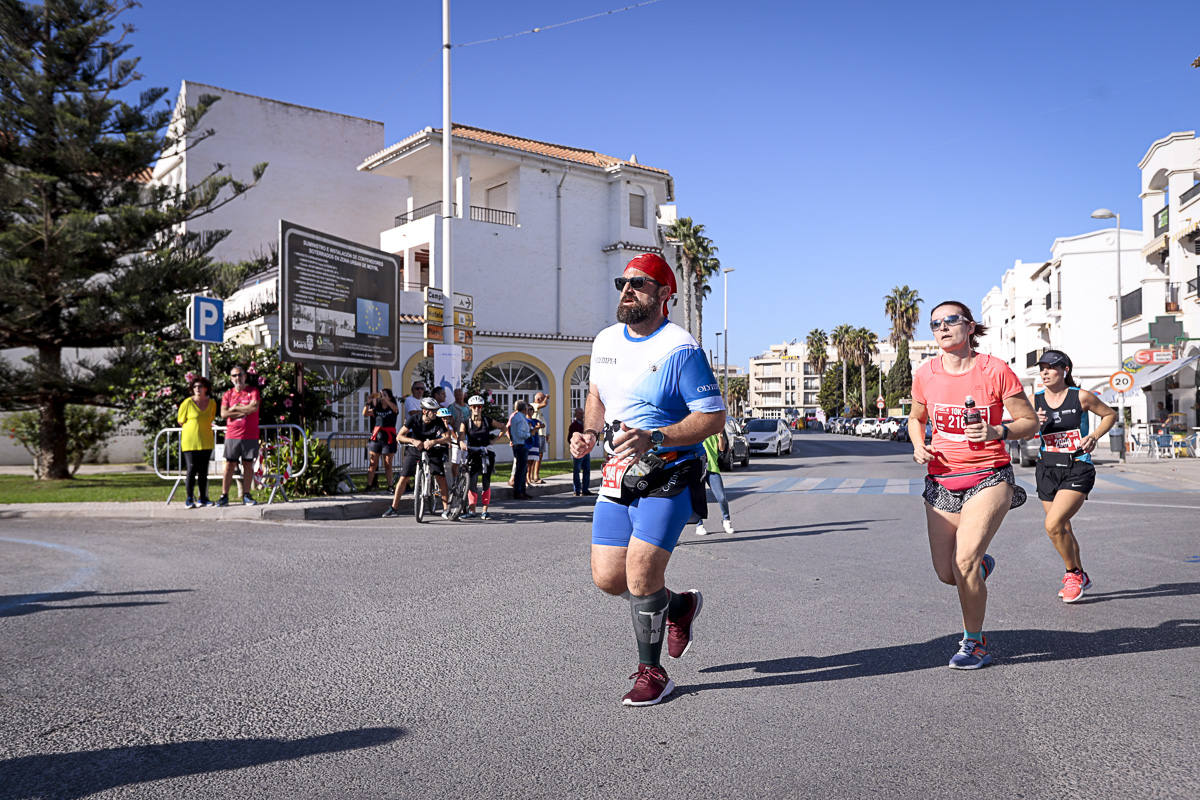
206	319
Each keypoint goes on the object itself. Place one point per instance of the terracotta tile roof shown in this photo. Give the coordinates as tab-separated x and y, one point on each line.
577	155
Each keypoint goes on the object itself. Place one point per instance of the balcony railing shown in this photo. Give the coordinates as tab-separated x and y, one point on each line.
1162	221
1194	286
1131	305
478	214
1189	194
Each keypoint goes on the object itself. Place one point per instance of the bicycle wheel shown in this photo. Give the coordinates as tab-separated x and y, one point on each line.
458	495
421	494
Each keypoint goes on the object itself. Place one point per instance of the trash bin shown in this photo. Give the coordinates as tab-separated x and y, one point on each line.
1116	439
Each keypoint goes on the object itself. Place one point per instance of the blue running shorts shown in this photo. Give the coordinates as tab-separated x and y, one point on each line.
654	520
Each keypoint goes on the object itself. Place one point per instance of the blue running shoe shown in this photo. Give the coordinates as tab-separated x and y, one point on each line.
971	655
987	565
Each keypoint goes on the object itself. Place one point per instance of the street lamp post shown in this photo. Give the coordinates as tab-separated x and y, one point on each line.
725	300
716	357
1104	213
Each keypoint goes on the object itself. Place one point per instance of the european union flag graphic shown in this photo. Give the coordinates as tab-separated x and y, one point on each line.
372	317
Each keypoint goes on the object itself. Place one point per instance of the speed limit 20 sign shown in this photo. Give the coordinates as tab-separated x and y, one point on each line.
1121	381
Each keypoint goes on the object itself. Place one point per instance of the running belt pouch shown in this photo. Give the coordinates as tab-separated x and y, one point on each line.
961	481
1051	459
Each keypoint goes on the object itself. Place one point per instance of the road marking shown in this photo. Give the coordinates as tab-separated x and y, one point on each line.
1142	505
850	486
1131	484
768	484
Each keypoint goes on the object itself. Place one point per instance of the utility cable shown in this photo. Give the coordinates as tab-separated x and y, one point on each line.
544	28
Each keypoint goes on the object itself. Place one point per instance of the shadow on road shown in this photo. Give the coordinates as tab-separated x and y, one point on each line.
18	605
1162	590
812	529
1010	647
74	775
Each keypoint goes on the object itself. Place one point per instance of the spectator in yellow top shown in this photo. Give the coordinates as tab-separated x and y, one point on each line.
196	415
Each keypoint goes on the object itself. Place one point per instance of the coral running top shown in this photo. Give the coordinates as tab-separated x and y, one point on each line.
990	381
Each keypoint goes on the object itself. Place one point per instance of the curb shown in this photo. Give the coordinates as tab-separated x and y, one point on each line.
345	507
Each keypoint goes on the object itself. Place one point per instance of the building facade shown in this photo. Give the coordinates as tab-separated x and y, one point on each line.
539	232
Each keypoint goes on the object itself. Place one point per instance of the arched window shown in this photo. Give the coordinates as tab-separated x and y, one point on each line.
511	381
579	387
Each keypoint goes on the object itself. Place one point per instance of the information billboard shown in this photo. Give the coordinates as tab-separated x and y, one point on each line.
338	300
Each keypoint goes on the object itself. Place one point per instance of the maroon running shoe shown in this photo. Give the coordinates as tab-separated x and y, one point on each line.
681	633
651	685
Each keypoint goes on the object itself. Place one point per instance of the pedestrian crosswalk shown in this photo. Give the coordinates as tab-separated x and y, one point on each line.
767	484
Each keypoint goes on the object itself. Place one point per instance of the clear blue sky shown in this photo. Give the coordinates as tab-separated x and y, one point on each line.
832	150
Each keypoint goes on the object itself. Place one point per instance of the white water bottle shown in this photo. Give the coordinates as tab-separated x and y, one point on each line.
971	416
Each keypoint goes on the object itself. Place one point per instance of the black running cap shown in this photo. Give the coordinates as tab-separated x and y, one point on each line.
1054	358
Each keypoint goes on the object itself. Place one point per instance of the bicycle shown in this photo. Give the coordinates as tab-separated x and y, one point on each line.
458	494
422	487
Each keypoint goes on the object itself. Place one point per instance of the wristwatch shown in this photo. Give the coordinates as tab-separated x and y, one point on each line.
1003	432
657	438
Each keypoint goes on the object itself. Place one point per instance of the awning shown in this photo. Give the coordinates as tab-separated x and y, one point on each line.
1156	246
1190	228
1144	379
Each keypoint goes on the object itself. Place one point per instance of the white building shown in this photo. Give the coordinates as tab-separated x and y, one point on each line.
783	383
540	230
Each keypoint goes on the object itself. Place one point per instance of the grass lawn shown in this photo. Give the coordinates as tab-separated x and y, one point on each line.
100	488
128	487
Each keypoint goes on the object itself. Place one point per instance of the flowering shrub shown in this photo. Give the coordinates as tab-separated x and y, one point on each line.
159	384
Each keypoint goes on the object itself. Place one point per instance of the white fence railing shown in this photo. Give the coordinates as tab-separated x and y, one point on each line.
281	448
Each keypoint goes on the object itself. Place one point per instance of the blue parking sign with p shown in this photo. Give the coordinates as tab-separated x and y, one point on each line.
207	319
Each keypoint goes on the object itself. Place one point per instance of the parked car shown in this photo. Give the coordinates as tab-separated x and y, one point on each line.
850	424
887	427
902	431
865	426
1025	452
739	447
769	435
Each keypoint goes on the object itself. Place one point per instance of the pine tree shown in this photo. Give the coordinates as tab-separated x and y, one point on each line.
91	251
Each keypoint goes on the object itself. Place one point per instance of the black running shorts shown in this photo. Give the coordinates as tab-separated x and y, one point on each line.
408	466
1079	477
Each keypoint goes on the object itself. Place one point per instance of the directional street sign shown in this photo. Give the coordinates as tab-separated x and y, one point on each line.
434	314
464	319
464	302
468	354
463	336
434	333
1121	381
206	319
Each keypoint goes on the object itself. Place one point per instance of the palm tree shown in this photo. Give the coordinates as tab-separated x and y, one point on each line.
842	338
738	387
691	248
818	347
865	345
903	307
708	266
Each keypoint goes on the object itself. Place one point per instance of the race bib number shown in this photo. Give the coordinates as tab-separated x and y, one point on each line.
948	420
612	474
1062	441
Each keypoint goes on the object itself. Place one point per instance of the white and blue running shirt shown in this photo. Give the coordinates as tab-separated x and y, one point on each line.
654	381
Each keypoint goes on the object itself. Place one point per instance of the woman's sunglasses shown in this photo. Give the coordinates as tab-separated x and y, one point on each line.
637	282
948	320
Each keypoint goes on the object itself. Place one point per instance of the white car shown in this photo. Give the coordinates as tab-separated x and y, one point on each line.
887	427
866	427
769	436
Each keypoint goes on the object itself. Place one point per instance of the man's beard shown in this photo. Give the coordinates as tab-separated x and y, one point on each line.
636	313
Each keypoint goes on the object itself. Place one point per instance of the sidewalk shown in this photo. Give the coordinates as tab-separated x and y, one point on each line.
1184	470
347	506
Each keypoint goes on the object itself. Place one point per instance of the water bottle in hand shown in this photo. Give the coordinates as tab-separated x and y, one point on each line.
972	416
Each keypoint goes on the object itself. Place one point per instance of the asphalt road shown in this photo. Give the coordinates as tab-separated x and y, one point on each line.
389	659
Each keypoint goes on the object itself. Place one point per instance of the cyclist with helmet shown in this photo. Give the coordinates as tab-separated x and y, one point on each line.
475	434
1065	473
425	431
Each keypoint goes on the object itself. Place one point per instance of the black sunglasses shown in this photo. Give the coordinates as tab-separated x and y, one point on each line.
637	282
948	320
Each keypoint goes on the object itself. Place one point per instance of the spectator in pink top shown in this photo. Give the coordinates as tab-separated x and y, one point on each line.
239	407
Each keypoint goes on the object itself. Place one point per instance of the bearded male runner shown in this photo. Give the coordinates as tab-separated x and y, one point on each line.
651	386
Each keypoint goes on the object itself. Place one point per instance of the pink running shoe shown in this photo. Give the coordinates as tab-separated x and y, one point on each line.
651	685
679	633
1074	584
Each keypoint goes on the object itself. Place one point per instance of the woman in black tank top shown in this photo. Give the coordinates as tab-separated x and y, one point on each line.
481	461
1065	473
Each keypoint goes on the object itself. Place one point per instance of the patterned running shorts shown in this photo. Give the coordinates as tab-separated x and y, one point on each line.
944	499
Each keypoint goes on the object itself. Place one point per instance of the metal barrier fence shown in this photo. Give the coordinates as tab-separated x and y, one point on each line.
350	448
280	449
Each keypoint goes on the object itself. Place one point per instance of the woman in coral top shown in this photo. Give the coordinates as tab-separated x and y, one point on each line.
970	485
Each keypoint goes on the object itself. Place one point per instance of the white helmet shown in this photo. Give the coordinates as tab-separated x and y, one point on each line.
444	412
475	400
429	404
